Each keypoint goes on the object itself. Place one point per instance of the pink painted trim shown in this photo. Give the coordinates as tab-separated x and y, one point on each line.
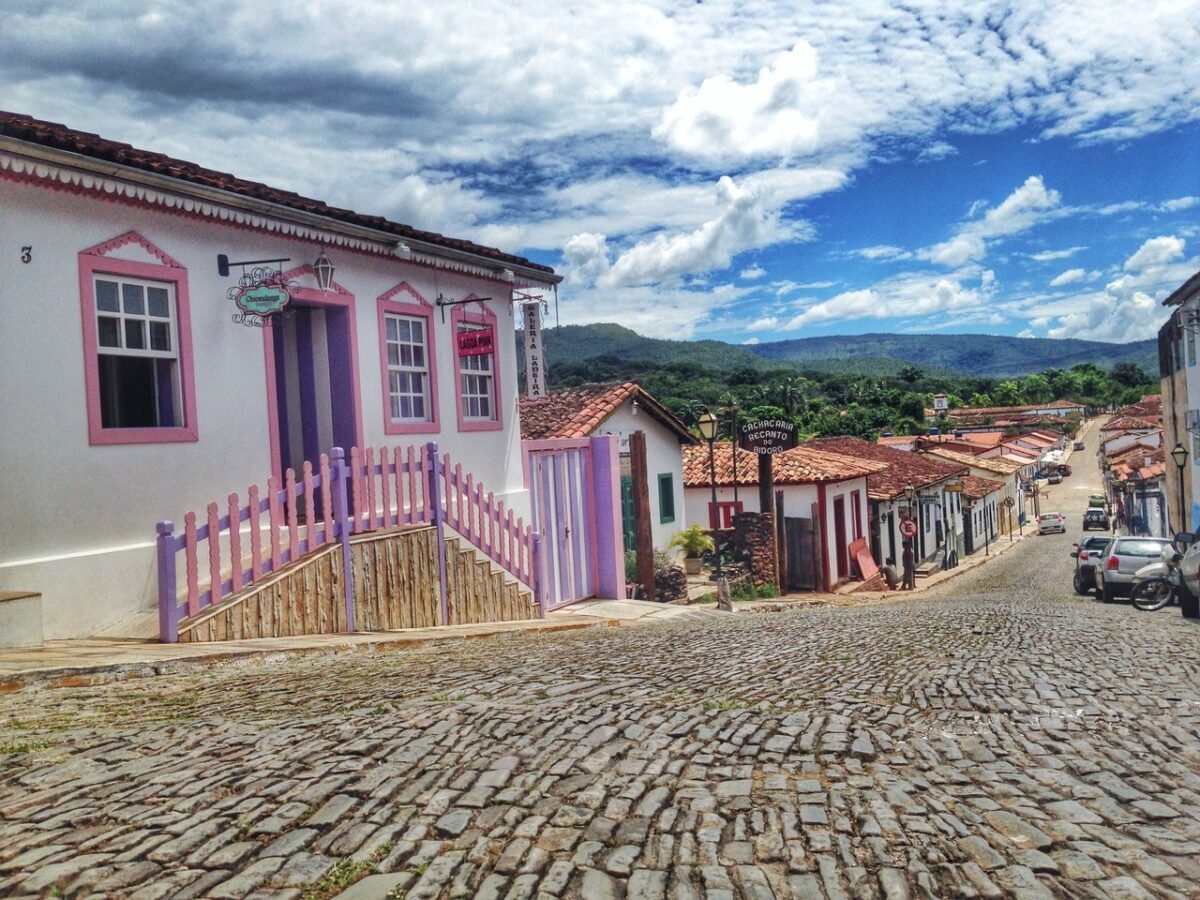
337	296
487	317
403	300
92	262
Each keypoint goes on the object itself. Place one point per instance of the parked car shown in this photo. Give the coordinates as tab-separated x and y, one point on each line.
1086	553
1054	478
1120	559
1095	518
1064	470
1048	522
1097	500
1078	445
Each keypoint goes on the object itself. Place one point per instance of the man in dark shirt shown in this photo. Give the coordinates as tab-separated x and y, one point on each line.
910	567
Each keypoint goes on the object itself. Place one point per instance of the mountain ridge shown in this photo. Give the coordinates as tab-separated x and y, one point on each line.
980	355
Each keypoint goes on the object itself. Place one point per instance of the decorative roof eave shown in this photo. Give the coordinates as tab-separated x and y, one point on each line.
1183	293
32	163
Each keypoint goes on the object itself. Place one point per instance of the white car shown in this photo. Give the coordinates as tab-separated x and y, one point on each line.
1048	522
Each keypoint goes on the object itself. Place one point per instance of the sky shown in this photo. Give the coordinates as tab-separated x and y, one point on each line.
745	171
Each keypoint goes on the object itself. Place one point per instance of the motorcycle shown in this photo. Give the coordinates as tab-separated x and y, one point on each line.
1158	584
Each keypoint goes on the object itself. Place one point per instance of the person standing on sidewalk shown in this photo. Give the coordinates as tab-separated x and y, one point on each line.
910	566
890	575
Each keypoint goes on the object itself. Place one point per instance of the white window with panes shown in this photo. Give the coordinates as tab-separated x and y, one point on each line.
408	369
137	348
476	385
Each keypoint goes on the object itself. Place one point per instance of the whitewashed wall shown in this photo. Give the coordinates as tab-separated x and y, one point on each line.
78	520
663	457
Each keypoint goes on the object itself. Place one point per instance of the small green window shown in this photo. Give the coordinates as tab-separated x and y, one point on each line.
666	497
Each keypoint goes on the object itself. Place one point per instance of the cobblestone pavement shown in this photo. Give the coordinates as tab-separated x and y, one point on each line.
997	737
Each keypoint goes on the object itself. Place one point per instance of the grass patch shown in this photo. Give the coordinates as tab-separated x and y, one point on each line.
343	873
456	697
22	747
724	704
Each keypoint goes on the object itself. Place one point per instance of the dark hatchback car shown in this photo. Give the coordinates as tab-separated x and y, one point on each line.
1095	518
1086	552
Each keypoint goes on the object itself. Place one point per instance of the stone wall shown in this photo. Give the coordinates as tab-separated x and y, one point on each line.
754	542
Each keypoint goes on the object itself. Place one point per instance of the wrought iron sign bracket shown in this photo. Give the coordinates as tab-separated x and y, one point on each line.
442	303
223	263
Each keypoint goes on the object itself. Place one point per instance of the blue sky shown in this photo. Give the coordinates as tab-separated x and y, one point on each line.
749	171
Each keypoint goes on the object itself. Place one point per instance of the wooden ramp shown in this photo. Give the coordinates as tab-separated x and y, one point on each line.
395	576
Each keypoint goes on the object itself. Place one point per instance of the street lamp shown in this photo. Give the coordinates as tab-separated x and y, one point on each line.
708	430
733	409
1180	455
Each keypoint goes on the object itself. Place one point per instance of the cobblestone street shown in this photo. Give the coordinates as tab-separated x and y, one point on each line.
995	737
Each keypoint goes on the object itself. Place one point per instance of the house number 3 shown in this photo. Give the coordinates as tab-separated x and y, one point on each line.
26	254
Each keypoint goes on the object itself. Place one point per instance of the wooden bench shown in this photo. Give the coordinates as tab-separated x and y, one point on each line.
20	619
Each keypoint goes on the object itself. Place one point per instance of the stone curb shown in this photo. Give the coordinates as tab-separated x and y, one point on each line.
97	674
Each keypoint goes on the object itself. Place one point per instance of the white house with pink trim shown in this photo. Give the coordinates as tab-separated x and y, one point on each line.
133	390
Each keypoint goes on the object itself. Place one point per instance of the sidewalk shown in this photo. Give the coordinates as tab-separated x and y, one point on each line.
79	663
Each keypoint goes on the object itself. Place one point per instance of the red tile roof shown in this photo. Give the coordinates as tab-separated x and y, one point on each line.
975	488
1130	423
578	412
800	465
903	468
59	137
997	464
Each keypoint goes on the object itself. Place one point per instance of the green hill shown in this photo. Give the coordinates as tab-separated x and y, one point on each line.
983	355
978	355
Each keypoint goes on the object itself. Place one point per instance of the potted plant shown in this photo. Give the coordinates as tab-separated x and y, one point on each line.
694	541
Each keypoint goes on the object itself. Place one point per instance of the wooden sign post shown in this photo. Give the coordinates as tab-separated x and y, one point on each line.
767	437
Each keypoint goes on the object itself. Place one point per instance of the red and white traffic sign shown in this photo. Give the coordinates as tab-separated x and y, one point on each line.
908	528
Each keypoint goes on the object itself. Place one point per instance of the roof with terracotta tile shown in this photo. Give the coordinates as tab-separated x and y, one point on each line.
903	468
578	412
800	465
975	488
1130	423
59	137
967	411
997	464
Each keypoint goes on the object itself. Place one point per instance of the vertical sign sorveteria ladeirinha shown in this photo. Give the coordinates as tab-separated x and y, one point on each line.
535	367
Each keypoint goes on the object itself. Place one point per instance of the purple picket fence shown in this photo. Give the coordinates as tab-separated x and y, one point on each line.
375	489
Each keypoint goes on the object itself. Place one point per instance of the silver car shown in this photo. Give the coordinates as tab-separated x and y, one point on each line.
1120	559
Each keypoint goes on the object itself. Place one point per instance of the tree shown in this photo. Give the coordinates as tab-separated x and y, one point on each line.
910	375
1007	393
1130	375
1036	389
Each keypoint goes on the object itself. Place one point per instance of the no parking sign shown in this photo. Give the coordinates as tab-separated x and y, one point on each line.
908	528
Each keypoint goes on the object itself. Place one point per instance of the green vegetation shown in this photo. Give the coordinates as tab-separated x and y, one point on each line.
861	396
693	541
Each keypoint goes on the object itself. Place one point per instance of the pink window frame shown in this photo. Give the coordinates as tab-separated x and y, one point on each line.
417	308
487	317
93	262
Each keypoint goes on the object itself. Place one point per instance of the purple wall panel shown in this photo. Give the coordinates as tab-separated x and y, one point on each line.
341	376
306	376
606	486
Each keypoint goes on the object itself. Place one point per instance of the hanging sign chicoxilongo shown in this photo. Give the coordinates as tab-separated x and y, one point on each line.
768	436
259	295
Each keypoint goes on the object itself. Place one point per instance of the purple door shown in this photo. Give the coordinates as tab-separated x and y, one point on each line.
561	492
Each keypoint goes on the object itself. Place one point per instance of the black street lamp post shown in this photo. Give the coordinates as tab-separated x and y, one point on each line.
1180	455
708	430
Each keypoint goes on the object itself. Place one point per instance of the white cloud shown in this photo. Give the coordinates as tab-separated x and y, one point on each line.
1128	308
1027	206
1155	252
883	251
751	273
750	342
910	295
763	324
778	114
1179	204
745	222
1068	277
654	311
1051	255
